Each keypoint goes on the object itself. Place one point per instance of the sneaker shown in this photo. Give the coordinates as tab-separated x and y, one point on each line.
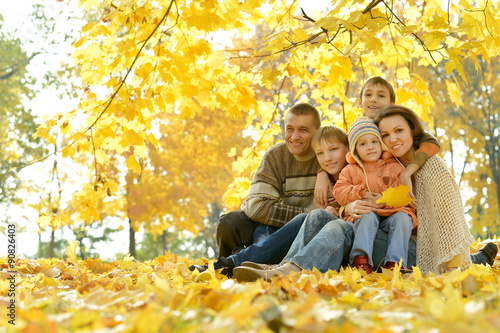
257	266
250	274
226	264
361	262
489	251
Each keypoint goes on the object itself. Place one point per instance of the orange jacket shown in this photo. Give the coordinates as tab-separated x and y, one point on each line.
380	175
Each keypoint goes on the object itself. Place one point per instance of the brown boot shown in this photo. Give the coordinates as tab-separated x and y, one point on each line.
390	265
361	262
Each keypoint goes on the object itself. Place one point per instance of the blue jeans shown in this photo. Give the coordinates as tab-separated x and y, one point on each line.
398	226
262	231
323	242
380	249
273	248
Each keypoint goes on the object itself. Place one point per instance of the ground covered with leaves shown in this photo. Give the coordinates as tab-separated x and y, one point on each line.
162	295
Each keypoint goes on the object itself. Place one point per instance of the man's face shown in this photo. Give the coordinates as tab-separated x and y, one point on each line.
299	131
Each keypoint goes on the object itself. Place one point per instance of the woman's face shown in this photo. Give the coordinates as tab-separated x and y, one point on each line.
397	135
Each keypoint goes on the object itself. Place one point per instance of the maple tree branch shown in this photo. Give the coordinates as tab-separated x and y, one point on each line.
122	82
371	6
484	14
110	99
402	23
271	120
95	158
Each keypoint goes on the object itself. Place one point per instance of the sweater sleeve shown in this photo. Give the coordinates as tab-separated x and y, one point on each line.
263	203
344	190
429	147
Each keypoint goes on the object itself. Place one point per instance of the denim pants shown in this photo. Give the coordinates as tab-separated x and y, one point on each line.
262	231
323	242
273	248
398	226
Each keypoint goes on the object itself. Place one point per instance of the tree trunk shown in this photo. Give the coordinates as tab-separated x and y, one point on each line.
209	237
52	243
131	247
79	239
164	241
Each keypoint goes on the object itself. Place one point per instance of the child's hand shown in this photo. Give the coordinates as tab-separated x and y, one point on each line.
372	196
322	187
332	210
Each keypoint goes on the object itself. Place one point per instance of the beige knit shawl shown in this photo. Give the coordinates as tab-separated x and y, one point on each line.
442	230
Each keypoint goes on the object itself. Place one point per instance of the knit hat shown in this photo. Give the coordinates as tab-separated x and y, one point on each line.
360	127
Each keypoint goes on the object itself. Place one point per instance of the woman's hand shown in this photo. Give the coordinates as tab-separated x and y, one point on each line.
360	207
322	187
406	180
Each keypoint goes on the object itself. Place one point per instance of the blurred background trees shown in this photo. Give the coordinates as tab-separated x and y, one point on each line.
176	102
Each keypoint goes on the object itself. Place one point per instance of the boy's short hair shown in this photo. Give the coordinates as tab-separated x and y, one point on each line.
328	134
302	109
379	81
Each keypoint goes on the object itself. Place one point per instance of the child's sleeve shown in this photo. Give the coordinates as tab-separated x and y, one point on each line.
345	191
428	148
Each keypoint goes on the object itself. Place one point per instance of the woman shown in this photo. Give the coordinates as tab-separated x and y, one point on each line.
443	236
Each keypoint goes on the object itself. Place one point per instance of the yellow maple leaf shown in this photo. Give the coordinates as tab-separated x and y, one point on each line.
71	251
396	196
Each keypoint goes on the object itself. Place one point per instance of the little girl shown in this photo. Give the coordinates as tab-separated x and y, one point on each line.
372	170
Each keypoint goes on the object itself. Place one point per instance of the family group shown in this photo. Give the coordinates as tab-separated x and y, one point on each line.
312	202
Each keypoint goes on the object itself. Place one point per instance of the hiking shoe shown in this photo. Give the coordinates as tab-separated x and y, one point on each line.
361	262
226	264
257	266
489	251
250	274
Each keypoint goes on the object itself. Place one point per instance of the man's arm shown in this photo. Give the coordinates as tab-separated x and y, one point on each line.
264	201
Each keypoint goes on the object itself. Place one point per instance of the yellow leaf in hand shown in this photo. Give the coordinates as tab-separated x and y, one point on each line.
396	196
71	251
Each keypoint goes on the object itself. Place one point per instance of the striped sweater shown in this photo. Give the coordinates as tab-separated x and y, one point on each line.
282	187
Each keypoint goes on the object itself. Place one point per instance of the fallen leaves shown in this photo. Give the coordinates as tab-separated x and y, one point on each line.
162	295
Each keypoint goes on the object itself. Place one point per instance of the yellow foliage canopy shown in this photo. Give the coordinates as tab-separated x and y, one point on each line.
141	61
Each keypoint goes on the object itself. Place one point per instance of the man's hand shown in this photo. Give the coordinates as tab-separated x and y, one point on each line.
322	187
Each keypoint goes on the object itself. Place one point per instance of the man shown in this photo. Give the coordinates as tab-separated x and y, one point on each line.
282	186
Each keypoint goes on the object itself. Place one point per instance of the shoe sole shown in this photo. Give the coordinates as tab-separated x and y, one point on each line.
244	274
255	265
